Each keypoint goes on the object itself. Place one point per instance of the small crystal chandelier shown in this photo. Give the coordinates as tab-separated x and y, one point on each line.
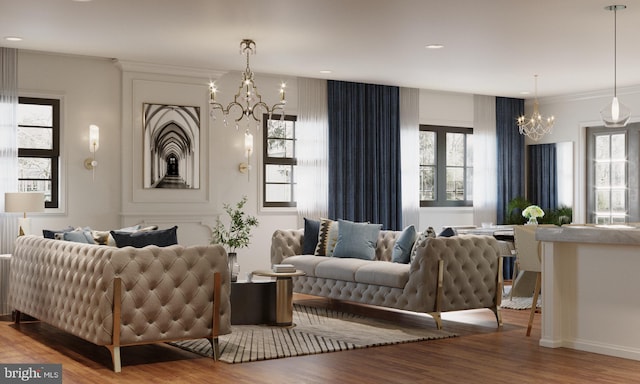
247	101
536	125
615	114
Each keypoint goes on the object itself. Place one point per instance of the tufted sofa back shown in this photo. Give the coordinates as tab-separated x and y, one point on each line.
288	242
167	293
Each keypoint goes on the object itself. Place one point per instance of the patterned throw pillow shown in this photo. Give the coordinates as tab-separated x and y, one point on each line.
429	232
327	237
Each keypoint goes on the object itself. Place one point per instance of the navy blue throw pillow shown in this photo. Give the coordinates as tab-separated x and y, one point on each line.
140	239
311	229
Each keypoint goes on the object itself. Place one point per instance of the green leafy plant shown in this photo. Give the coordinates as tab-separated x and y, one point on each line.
238	233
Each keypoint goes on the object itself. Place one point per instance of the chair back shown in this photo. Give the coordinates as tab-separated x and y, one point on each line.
527	248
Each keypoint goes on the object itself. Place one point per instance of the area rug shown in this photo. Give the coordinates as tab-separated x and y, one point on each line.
316	330
519	302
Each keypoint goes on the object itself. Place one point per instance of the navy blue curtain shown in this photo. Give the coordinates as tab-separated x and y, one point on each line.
364	153
510	152
542	188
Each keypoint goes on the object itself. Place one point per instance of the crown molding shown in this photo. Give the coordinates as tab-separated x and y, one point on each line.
589	95
200	73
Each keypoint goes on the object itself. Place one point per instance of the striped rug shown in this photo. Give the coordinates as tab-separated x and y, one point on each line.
316	330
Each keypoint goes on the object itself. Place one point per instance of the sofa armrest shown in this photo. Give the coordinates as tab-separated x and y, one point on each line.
471	267
285	243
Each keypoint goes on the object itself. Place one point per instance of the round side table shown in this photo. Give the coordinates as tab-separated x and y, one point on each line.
284	294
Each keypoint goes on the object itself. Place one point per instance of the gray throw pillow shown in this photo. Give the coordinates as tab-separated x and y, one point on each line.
401	252
357	240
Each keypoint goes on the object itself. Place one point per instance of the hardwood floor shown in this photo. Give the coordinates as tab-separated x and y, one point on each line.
481	354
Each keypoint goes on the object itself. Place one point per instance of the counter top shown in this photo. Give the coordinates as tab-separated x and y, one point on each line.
602	234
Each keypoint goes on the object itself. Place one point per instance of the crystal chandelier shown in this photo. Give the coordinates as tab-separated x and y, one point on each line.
535	126
247	101
615	114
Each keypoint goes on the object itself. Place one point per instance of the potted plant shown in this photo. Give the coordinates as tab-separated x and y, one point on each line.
236	235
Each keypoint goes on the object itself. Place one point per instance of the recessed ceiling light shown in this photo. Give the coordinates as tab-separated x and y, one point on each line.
434	46
326	71
13	38
525	93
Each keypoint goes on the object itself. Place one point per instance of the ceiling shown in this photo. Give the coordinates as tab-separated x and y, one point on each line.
491	47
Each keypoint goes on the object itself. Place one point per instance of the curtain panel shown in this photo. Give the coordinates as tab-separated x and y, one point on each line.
410	144
542	188
8	143
510	154
364	153
311	149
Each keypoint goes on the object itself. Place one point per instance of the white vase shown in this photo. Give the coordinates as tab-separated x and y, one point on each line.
532	221
234	267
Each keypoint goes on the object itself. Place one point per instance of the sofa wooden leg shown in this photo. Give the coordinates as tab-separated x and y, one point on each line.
498	313
215	346
436	316
115	357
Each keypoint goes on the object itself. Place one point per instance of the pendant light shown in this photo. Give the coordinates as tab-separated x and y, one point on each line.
615	114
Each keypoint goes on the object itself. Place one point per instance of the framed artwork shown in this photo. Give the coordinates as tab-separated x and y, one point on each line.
171	146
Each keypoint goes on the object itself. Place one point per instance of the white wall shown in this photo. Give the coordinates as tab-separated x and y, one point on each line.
89	90
97	91
573	113
110	94
447	109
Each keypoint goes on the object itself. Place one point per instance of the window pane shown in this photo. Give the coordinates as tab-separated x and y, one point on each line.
455	149
35	138
602	201
618	147
618	174
278	193
278	173
35	114
602	147
602	174
469	139
618	202
427	183
36	186
455	183
34	168
280	129
279	148
427	148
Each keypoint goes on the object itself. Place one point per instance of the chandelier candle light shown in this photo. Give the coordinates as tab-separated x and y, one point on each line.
535	126
247	101
615	114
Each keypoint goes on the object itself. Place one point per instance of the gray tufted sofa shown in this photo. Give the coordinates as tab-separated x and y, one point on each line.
447	274
116	297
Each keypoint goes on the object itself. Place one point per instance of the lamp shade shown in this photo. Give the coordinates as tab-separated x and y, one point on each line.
24	202
94	138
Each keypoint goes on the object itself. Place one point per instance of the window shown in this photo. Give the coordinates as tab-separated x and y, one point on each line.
446	172
39	147
612	156
279	161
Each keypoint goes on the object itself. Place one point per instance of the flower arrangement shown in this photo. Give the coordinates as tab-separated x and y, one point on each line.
238	234
532	213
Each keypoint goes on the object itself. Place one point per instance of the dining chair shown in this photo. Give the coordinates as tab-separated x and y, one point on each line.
528	258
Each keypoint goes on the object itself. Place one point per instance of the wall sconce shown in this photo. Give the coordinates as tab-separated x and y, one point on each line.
248	148
94	143
24	202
